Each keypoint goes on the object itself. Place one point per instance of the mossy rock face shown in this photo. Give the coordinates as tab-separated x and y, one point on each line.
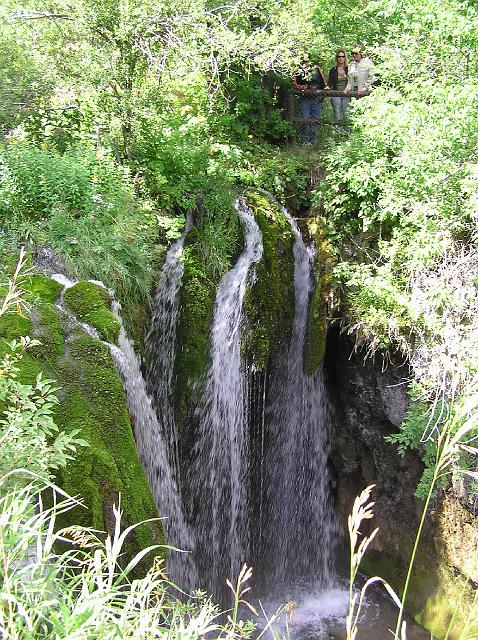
95	403
269	302
91	303
315	338
49	331
92	400
439	599
14	325
196	304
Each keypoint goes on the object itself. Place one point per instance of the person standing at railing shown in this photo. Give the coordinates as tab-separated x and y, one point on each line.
310	106
361	72
338	81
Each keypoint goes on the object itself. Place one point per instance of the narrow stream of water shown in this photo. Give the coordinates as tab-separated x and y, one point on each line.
301	525
221	470
153	453
160	345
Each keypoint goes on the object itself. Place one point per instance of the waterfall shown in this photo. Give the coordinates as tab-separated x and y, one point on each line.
153	453
269	431
300	528
160	344
222	465
153	415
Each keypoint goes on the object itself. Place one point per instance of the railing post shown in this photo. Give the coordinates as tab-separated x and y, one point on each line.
290	106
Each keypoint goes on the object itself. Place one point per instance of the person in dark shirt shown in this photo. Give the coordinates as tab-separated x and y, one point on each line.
310	77
338	81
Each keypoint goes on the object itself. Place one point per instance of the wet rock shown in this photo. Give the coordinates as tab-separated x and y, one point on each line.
369	400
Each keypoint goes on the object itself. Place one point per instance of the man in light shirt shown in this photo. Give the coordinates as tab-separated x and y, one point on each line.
361	73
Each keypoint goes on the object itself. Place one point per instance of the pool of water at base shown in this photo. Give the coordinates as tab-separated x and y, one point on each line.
312	613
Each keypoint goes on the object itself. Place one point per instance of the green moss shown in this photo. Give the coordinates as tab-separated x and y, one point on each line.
14	325
196	301
91	399
49	331
93	466
86	348
436	597
90	303
29	369
94	402
269	302
314	348
40	287
105	323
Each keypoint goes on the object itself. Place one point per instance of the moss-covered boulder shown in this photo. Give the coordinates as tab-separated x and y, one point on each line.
92	400
40	288
91	303
270	300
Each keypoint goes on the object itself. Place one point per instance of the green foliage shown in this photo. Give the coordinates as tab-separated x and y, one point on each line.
36	182
285	173
45	595
397	197
219	236
172	151
28	435
58	128
421	430
251	108
84	207
26	80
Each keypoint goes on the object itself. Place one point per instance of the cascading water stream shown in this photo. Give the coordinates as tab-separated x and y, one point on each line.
153	453
300	527
160	344
222	465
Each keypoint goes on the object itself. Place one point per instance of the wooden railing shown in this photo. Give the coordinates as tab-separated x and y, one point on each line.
325	93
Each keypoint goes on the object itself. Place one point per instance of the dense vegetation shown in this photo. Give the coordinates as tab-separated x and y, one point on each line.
400	199
118	117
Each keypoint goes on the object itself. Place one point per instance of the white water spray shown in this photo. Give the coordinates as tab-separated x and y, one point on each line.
160	344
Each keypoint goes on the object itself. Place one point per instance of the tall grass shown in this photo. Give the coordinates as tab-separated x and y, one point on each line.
88	591
85	208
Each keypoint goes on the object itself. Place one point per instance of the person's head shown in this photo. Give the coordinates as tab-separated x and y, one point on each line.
357	53
341	57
